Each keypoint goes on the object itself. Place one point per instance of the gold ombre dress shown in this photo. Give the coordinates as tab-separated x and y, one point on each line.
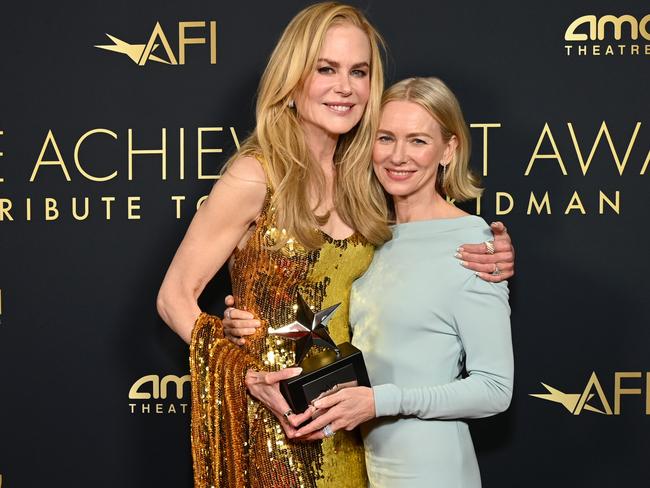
237	441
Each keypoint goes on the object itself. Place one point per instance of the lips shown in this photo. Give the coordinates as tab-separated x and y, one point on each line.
399	175
340	108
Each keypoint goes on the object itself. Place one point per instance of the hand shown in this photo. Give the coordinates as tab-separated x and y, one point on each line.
264	386
477	258
344	409
237	323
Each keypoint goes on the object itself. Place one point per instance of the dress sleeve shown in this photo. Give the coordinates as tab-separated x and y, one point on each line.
482	321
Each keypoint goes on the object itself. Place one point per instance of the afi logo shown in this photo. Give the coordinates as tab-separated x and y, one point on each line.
141	53
158	386
597	27
577	402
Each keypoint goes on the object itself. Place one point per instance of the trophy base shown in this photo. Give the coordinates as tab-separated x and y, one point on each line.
323	374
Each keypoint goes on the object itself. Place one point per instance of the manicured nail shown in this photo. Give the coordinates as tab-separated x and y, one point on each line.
459	249
463	263
458	255
477	273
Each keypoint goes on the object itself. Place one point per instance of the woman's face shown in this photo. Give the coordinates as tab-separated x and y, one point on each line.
334	96
408	149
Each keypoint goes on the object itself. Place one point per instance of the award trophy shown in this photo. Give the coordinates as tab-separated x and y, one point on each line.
338	366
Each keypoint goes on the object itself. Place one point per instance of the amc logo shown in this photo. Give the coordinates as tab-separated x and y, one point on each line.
158	388
576	403
141	53
598	26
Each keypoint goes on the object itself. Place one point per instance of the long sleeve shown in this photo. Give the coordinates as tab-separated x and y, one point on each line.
482	321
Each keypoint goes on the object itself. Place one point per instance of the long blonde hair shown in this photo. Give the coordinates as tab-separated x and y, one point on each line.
439	101
279	140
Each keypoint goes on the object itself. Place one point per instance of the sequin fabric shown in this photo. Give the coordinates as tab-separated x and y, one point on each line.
236	441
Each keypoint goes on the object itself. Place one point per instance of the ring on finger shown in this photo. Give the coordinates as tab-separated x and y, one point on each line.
287	413
489	247
327	431
496	271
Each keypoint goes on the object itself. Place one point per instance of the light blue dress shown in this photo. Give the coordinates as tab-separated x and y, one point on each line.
420	318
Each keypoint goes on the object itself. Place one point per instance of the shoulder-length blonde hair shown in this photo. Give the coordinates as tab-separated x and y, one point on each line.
439	101
279	140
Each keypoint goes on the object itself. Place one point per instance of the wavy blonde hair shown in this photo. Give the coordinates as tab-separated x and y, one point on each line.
279	140
460	183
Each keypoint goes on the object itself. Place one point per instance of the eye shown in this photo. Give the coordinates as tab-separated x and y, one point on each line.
418	141
385	139
325	70
359	73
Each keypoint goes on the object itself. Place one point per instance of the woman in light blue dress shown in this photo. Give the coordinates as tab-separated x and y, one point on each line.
435	337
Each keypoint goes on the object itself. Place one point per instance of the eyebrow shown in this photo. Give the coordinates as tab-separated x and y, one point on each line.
412	134
336	64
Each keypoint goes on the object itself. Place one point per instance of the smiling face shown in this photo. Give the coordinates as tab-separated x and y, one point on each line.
408	149
333	98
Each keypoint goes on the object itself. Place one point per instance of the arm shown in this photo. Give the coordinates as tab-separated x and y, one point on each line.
483	323
217	227
483	320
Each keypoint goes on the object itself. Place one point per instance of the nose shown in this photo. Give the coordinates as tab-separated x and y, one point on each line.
398	155
343	86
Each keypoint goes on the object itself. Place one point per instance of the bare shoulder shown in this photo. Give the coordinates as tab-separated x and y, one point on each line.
240	192
245	169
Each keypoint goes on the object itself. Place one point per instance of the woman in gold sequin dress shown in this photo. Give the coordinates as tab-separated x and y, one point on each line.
296	211
284	213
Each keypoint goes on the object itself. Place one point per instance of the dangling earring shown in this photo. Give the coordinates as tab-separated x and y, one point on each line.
292	103
444	170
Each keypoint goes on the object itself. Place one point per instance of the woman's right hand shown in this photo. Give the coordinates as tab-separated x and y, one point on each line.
264	386
238	324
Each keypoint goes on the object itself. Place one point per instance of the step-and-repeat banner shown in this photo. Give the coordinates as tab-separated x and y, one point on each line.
115	118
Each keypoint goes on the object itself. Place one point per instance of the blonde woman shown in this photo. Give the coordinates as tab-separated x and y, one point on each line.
447	355
296	211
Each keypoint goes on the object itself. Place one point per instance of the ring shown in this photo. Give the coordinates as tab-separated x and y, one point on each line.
496	271
490	247
327	431
227	313
287	413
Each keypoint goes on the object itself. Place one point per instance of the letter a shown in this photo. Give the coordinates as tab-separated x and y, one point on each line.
556	154
146	54
586	395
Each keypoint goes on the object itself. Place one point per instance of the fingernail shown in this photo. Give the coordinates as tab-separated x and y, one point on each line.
460	249
257	323
477	273
463	263
316	403
458	255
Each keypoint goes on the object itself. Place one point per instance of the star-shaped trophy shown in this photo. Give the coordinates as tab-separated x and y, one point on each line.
308	330
324	373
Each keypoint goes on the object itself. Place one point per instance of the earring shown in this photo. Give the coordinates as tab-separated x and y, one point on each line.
444	170
292	103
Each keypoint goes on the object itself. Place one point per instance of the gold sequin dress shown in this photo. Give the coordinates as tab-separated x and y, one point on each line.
236	441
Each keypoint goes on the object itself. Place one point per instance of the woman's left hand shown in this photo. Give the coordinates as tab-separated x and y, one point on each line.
344	409
491	264
264	386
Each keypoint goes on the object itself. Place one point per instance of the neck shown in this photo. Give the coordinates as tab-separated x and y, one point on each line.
411	208
322	146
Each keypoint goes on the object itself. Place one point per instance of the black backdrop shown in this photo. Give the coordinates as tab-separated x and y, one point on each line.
83	355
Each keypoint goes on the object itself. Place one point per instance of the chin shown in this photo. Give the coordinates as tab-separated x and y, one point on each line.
340	128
